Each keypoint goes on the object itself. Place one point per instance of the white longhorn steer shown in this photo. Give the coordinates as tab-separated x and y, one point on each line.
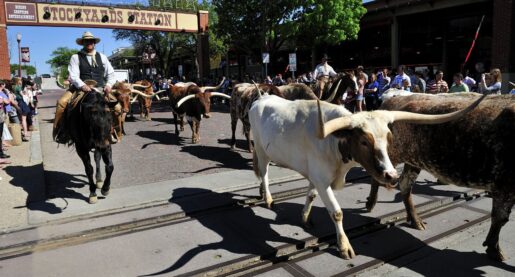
293	134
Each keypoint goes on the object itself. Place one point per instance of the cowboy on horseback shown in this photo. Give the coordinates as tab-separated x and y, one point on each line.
322	73
89	70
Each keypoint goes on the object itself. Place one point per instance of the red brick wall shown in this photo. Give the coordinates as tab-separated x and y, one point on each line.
5	69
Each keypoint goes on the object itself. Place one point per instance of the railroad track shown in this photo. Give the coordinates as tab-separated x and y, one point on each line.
307	248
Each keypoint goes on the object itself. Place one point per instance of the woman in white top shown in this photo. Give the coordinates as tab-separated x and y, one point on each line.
494	86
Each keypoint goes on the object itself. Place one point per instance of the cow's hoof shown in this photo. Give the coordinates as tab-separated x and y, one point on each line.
308	224
370	204
100	184
105	192
270	204
418	224
93	199
177	132
347	254
149	119
495	254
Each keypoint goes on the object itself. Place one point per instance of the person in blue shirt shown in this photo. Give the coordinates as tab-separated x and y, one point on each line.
372	93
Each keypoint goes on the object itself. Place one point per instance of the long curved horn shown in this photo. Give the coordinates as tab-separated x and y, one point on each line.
186	98
220	94
331	97
203	89
325	129
140	86
408	117
142	94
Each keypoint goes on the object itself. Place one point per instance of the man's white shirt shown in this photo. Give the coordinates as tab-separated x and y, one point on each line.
73	69
399	79
324	70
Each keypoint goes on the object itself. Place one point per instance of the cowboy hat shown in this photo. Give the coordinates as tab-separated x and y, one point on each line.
87	36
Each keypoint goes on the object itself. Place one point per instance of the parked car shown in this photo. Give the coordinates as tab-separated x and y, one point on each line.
46	76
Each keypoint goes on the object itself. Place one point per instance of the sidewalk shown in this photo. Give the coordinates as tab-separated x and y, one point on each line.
23	177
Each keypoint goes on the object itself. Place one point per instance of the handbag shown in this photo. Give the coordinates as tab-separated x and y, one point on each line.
6	135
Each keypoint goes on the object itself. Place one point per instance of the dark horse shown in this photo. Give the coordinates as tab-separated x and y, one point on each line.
344	82
88	124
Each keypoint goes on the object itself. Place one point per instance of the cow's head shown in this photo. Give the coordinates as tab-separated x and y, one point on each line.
344	82
364	137
203	96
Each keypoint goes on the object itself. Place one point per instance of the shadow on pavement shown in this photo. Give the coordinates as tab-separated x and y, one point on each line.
241	144
222	155
58	185
160	137
244	232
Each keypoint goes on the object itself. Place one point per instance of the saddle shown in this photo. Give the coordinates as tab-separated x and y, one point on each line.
64	137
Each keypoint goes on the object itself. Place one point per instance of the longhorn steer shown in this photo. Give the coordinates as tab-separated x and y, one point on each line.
145	102
242	97
195	102
292	134
123	92
475	151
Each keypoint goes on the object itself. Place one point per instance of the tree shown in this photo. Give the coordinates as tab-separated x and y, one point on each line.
60	60
339	20
168	45
31	70
254	26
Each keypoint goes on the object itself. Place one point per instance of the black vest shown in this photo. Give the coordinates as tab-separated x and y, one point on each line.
87	72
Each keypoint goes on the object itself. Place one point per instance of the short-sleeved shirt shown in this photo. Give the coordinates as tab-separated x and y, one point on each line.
459	88
373	85
399	79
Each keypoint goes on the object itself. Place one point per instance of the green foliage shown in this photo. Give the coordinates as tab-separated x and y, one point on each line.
330	21
31	70
168	45
264	25
60	60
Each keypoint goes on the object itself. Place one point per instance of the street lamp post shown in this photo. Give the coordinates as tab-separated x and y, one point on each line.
18	38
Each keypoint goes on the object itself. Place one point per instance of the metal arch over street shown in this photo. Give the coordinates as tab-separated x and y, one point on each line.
34	13
65	15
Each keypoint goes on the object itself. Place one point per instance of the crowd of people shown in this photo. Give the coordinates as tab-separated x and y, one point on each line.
373	84
18	106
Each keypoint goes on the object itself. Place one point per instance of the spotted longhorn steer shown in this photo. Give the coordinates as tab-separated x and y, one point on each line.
293	134
475	151
242	97
194	102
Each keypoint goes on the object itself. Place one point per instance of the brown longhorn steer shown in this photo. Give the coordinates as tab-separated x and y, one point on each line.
194	102
145	102
242	97
474	151
123	92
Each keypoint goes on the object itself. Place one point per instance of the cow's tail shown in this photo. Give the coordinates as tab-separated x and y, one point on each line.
255	163
258	90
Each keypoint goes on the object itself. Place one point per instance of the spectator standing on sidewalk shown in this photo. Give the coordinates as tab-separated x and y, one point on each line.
494	86
24	108
398	81
458	85
3	101
439	85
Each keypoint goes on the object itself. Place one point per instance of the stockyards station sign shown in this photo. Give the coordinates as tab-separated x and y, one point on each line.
49	14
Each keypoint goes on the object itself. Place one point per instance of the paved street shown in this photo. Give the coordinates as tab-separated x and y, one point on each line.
150	152
191	210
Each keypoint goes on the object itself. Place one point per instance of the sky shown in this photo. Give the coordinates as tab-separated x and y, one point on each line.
43	40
